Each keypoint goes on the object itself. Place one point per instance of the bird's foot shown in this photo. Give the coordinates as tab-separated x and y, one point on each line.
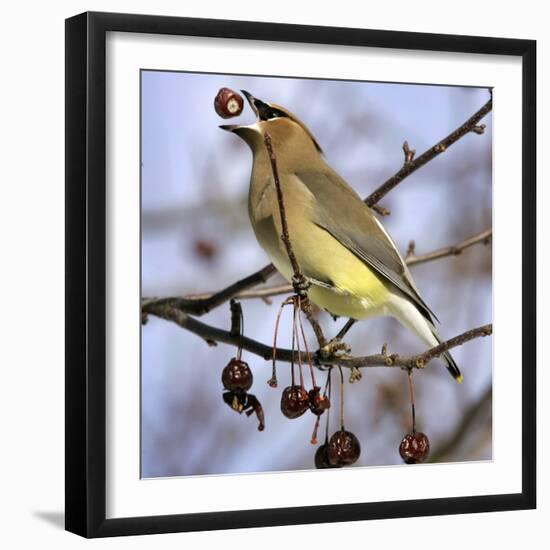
333	349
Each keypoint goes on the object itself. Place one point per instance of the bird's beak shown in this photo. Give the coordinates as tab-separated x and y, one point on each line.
252	102
257	105
230	127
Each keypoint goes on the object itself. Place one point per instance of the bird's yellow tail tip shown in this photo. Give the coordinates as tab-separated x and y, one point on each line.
460	379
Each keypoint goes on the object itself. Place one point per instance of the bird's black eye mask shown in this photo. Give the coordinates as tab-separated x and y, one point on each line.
266	112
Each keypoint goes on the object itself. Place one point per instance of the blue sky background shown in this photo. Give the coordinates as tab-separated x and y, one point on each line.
194	189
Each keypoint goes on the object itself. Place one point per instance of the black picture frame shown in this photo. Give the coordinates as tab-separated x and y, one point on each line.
86	269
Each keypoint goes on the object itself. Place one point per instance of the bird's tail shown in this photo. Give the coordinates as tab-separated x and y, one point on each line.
452	367
408	314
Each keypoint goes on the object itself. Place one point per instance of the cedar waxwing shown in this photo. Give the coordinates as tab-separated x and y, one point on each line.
352	263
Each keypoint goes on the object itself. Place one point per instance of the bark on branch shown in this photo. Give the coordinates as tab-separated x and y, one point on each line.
212	335
480	238
200	306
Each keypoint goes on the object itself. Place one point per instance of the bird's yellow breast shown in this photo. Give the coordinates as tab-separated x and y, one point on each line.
352	288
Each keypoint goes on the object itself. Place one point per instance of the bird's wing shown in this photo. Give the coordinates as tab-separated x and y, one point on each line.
341	212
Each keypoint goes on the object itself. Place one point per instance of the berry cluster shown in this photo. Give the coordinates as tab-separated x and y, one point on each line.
343	447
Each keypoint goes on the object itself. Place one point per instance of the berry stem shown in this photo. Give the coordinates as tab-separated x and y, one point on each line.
293	381
313	381
329	386
237	324
411	394
273	380
341	398
315	430
296	337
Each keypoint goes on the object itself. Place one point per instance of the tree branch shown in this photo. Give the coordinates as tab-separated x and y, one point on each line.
454	250
200	306
415	361
410	165
210	334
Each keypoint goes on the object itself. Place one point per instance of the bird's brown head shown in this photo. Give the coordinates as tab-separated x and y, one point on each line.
289	134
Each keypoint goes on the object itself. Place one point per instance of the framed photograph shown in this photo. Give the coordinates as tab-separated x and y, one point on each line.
287	247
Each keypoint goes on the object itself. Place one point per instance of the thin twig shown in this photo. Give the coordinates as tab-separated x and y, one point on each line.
300	282
280	199
380	210
200	306
413	165
236	318
188	303
408	152
484	237
318	331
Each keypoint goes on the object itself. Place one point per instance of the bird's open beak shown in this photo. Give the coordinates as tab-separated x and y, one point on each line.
253	102
260	108
230	127
257	105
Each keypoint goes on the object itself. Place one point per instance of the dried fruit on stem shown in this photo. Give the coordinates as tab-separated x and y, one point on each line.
318	402
414	448
241	402
321	458
343	448
294	401
237	376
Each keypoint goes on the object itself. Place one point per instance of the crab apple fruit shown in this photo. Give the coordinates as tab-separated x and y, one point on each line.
228	103
321	458
294	401
414	448
343	448
237	376
318	403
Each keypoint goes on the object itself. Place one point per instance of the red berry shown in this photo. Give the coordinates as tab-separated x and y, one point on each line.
321	458
228	103
414	447
343	448
318	403
294	401
237	376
